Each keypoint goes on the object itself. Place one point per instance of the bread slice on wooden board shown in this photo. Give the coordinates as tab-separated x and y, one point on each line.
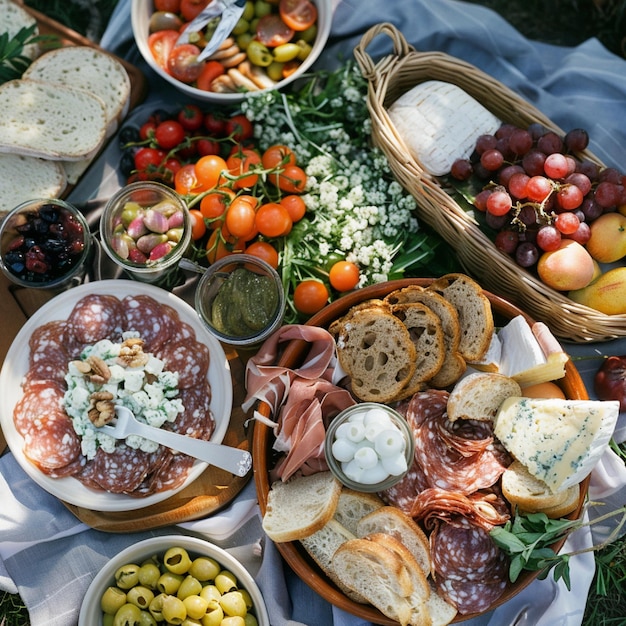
376	350
473	309
90	69
23	178
377	574
426	333
50	121
567	506
354	505
14	18
532	495
441	612
478	396
301	506
454	364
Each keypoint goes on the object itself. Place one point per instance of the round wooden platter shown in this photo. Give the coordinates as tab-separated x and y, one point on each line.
213	490
294	353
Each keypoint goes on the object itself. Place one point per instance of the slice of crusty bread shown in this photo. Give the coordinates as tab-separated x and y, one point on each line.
532	495
478	396
90	69
426	333
474	311
376	350
441	611
50	121
14	18
567	506
395	522
301	506
454	364
354	505
375	573
23	178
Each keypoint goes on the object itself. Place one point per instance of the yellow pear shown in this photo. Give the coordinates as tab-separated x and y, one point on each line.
568	267
607	243
607	294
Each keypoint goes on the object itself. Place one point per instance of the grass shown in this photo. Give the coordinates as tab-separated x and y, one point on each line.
562	22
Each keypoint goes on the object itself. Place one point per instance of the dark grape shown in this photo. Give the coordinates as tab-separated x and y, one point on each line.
581	181
583	234
526	254
550	143
520	141
610	175
492	160
461	169
590	169
591	209
496	222
504	176
548	238
576	140
480	201
527	215
533	161
607	194
484	143
506	241
505	130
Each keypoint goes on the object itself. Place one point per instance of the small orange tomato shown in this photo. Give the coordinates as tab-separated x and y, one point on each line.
221	243
186	181
198	227
310	296
292	179
278	155
273	220
209	171
264	250
344	276
239	164
240	217
213	206
295	206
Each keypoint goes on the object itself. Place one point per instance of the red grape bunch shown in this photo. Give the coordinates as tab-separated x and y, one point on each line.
537	190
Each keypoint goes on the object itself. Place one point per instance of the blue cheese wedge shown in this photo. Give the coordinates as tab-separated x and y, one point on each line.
559	441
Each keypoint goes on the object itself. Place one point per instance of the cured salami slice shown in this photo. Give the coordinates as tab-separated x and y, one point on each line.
120	471
189	359
48	356
196	420
95	317
40	399
51	442
150	319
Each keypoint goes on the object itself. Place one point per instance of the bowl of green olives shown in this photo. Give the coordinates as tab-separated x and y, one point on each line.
173	579
271	45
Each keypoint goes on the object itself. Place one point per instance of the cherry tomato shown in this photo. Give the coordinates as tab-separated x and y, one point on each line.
239	127
161	44
239	164
190	8
289	68
215	125
206	146
344	276
298	14
295	206
171	166
186	181
213	206
278	156
264	250
169	134
183	64
209	170
211	70
190	117
273	220
172	6
147	130
240	217
310	296
198	227
148	158
271	31
221	243
292	179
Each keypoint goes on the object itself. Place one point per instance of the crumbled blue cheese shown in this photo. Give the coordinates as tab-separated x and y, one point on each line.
149	391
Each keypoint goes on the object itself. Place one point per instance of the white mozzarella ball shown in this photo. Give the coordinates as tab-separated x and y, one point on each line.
343	449
374	474
354	432
376	415
389	442
373	429
394	465
353	470
366	457
357	417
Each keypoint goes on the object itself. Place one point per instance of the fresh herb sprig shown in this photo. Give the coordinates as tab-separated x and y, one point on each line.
13	59
527	540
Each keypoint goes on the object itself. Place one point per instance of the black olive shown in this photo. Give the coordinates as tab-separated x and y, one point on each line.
127	163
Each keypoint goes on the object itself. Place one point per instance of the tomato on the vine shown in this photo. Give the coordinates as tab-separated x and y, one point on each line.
292	179
273	220
213	206
186	181
171	165
239	163
278	155
183	64
190	117
207	146
344	276
295	206
198	227
209	170
264	250
310	296
161	44
298	14
221	243
169	133
215	125
239	127
147	130
240	217
148	158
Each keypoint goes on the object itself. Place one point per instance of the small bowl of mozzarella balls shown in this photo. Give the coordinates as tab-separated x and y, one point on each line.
173	579
369	447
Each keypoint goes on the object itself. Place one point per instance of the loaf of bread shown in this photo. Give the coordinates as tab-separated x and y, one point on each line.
479	395
50	121
301	506
474	311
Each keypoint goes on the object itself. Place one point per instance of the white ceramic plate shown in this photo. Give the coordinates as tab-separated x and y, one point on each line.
70	489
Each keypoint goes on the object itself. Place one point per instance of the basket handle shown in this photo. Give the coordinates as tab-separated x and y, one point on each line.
400	47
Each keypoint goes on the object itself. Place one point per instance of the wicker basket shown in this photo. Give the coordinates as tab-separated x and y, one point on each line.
395	74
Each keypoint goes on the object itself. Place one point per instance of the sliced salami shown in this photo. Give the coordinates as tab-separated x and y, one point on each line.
120	471
404	493
150	319
51	442
40	398
196	420
51	334
95	317
189	359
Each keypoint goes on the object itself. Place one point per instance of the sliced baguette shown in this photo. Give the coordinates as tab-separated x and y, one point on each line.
377	574
478	396
473	309
50	121
394	522
354	505
300	507
426	333
441	611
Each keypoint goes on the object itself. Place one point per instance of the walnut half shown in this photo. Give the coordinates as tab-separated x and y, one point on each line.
102	410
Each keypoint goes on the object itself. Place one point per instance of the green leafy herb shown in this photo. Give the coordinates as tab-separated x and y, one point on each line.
13	60
527	540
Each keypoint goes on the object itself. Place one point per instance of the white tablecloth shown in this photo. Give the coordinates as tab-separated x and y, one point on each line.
50	557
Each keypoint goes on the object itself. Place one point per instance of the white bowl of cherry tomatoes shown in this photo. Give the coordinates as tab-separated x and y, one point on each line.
273	43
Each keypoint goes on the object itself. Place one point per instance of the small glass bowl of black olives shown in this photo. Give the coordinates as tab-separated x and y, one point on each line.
44	244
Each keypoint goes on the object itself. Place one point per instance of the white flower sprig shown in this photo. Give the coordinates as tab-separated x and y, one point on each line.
355	208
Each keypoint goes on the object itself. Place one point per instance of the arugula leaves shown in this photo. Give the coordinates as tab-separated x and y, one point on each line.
527	540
